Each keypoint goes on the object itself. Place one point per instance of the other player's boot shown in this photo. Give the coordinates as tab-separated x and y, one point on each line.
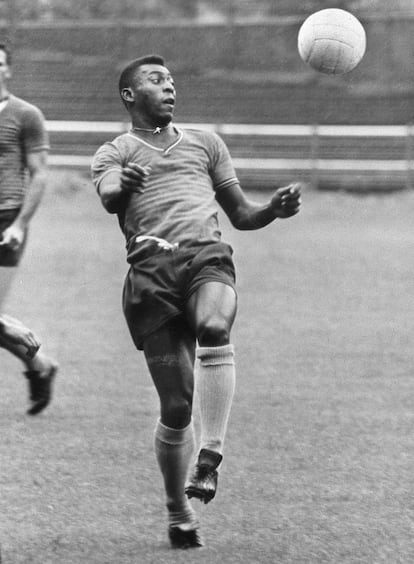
40	388
182	536
202	483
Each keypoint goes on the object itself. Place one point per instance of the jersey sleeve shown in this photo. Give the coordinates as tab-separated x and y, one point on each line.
106	159
34	134
222	170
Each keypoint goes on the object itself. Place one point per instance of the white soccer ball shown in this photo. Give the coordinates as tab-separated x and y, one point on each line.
332	41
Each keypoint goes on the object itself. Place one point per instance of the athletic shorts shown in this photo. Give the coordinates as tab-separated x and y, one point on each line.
8	256
160	282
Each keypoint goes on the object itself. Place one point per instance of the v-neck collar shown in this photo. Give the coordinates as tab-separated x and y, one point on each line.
3	104
158	149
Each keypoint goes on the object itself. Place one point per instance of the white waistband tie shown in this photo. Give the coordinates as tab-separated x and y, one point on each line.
162	243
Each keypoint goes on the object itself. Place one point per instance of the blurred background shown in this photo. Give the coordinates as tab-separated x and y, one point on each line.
234	62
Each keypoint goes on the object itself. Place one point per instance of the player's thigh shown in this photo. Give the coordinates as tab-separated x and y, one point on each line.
7	274
212	308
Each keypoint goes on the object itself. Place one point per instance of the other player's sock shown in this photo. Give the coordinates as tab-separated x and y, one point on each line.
215	384
174	450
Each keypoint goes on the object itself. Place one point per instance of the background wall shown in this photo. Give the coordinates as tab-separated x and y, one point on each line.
225	72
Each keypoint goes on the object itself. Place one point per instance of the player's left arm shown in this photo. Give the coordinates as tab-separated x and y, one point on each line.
36	162
246	214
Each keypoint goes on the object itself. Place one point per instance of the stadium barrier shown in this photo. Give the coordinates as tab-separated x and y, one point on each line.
358	157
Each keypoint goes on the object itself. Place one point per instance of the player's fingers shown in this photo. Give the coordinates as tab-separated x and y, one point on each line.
289	189
290	202
142	170
284	191
131	174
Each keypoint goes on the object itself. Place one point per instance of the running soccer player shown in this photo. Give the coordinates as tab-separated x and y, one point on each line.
23	152
179	296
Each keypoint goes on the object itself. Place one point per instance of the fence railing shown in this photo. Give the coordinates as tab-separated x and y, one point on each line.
318	154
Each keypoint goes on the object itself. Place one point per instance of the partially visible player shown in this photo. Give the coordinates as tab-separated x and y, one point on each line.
23	154
13	332
164	183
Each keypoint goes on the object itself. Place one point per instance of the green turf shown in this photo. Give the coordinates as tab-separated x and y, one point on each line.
319	456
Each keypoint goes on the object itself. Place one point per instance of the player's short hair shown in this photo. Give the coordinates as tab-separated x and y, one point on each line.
6	50
127	75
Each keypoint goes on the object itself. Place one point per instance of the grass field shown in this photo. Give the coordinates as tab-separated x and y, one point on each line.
320	450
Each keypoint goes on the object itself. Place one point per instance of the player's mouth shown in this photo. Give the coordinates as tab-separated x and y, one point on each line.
169	102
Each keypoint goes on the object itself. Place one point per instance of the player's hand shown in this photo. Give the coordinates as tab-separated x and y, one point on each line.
12	237
16	333
133	177
286	201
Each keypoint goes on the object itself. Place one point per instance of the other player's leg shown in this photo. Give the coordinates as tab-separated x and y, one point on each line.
169	353
13	331
40	370
211	310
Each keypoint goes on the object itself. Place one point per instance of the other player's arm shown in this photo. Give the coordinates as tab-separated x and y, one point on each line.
246	214
36	166
116	184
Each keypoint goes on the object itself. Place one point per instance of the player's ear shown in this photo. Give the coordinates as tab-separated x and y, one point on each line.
127	95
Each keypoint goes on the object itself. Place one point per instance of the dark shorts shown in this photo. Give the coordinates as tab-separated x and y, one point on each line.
159	283
8	256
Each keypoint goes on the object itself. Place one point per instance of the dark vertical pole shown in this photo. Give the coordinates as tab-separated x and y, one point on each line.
12	19
410	154
314	155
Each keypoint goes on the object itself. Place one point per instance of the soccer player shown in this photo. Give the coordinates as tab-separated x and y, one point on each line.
23	151
179	296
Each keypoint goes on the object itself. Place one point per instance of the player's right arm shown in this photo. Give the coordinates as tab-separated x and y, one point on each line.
116	184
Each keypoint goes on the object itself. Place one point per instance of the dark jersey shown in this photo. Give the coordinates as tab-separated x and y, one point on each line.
22	130
178	201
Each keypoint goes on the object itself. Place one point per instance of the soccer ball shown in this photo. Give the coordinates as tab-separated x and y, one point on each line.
332	41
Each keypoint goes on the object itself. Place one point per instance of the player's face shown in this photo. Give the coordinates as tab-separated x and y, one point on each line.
154	93
4	68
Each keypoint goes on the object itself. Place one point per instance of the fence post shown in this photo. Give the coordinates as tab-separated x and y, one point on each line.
410	154
12	21
314	155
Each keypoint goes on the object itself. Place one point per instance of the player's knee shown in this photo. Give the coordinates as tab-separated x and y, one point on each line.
213	332
176	412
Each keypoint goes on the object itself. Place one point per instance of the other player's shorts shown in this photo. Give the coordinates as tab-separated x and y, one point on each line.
160	282
8	256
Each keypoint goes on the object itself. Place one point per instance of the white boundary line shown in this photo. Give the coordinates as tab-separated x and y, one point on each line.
272	164
322	164
244	129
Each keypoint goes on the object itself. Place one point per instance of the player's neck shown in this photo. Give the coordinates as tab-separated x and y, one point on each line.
160	137
151	129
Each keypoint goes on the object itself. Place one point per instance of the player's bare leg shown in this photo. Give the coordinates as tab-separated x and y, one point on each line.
211	311
169	353
40	370
13	331
6	279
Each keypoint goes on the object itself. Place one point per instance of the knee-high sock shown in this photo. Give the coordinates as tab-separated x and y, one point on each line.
174	450
215	384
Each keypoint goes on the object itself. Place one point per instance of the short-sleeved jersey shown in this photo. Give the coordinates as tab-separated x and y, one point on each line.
178	201
22	130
